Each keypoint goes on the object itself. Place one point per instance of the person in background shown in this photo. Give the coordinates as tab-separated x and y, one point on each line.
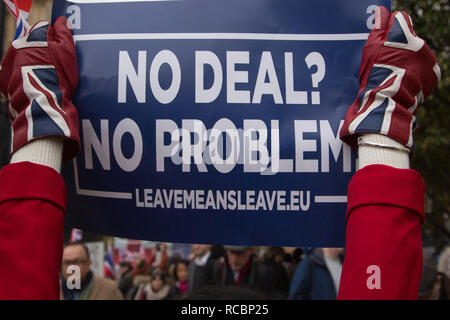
240	268
158	258
125	280
217	251
157	289
289	266
91	287
125	268
273	258
138	275
181	280
317	277
433	284
444	262
429	282
200	266
297	256
140	266
143	269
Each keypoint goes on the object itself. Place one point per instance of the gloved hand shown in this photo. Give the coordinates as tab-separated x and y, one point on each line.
398	71
39	75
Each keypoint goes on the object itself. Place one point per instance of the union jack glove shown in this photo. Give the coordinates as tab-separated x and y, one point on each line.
39	75
398	71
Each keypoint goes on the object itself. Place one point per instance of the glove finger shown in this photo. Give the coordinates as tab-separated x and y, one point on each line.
62	49
61	31
35	37
382	17
375	40
415	55
401	34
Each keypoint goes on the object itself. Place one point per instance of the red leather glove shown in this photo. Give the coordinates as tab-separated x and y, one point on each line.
398	71
39	75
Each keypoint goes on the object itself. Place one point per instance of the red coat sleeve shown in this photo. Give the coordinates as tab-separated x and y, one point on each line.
384	216
32	205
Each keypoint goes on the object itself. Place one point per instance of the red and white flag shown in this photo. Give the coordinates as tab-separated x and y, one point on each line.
108	266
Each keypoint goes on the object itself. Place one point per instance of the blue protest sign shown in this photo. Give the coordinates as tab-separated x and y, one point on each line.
206	121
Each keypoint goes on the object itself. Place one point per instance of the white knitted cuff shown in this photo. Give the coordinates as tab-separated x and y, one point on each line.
45	151
369	155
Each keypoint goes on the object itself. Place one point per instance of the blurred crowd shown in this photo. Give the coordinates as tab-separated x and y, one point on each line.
229	272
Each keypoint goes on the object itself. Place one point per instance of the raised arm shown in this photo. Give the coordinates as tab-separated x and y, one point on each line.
386	198
39	76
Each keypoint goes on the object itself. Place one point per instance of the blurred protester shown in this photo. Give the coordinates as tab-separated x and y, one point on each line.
129	283
297	255
444	293
125	268
157	289
444	262
158	257
91	286
433	285
181	280
200	266
239	267
140	267
125	278
443	268
217	251
170	271
273	257
317	277
288	264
